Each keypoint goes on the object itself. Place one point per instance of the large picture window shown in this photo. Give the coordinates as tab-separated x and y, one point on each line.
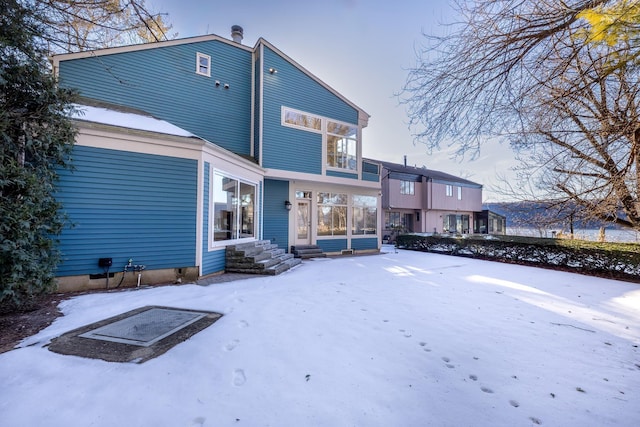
341	139
341	146
365	215
332	214
233	208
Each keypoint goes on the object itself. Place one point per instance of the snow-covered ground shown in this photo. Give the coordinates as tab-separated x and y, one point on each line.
396	339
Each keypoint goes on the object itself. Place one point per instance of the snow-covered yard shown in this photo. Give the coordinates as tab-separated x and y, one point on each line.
397	339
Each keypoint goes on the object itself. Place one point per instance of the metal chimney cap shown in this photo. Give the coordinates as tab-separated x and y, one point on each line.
237	33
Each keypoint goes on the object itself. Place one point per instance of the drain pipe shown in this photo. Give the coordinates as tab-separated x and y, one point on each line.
139	269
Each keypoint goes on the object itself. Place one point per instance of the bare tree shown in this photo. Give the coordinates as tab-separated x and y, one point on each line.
530	73
71	25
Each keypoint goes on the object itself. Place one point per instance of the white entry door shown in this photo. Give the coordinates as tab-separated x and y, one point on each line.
303	222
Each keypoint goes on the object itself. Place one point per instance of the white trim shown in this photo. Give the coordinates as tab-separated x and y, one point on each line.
363	117
199	215
144	46
283	122
312	185
261	112
199	56
320	179
252	121
212	244
115	138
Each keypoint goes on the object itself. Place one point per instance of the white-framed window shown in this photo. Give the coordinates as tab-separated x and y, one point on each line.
459	193
407	187
342	146
332	214
203	64
300	120
341	139
449	190
233	208
364	215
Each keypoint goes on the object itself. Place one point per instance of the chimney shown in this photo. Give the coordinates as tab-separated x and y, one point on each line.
236	33
405	160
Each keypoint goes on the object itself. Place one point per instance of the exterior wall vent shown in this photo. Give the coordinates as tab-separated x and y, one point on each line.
237	33
347	252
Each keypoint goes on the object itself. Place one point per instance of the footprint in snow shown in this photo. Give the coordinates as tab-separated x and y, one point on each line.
486	389
243	324
535	420
199	421
233	344
239	378
448	365
406	333
514	403
473	377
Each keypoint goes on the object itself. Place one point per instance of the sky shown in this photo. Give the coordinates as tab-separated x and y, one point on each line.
362	49
396	339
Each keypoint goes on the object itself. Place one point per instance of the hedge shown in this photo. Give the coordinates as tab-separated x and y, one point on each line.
611	260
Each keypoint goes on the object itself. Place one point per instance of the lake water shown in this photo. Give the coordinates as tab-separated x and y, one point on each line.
628	236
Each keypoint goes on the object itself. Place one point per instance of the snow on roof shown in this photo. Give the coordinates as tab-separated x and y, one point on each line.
126	119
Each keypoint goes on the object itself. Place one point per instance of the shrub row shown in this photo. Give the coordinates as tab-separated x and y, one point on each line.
612	260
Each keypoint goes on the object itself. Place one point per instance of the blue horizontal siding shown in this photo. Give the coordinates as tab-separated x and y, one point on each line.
126	205
364	243
212	261
332	245
276	217
369	167
163	82
339	174
370	177
370	171
291	149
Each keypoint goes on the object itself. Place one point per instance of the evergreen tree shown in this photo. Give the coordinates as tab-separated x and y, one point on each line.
36	141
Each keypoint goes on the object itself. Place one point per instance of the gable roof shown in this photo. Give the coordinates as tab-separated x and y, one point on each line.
430	174
363	116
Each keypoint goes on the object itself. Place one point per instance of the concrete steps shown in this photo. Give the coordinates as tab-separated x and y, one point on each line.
307	251
258	257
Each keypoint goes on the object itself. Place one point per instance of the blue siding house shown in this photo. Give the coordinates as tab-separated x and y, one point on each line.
191	145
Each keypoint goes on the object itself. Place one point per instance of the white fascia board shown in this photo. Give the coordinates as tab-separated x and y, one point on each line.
117	138
300	176
230	157
363	116
56	59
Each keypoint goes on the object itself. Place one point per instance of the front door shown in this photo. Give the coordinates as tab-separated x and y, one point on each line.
303	222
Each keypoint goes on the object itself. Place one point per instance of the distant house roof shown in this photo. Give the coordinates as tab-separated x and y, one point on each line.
398	171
